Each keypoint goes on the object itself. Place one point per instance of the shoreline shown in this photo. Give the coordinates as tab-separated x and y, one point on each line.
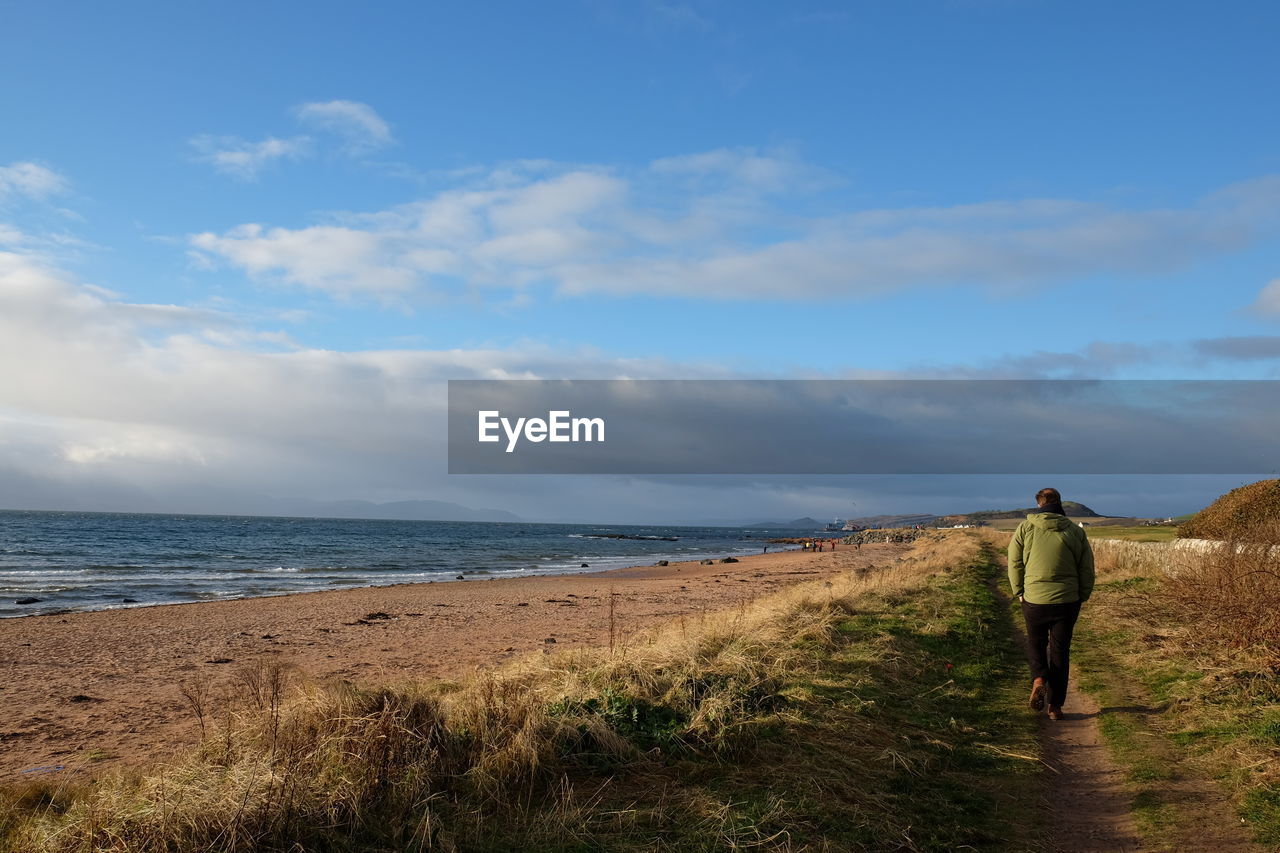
475	577
88	690
623	563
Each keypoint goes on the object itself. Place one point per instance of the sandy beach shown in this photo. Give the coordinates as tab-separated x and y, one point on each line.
87	691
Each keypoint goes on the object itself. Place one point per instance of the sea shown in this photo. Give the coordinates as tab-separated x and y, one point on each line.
70	561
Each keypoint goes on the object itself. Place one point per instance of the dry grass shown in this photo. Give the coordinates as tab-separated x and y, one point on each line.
1224	594
1117	559
417	766
1221	596
1231	591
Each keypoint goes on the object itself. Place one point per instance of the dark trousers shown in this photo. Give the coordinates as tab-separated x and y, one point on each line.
1049	628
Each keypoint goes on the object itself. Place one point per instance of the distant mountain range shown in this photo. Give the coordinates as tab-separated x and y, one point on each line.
805	523
213	502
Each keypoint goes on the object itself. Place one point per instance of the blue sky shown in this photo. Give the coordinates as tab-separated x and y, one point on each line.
226	226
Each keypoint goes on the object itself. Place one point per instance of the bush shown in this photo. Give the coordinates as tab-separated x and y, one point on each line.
1237	514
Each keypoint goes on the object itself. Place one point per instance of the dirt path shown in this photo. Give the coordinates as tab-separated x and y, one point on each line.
1090	801
1087	799
1199	813
1085	794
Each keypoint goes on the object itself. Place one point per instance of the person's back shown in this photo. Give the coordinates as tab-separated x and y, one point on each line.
1050	561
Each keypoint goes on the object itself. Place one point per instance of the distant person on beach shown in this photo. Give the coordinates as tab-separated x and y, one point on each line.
1051	572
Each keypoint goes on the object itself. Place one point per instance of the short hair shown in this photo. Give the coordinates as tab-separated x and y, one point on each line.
1048	496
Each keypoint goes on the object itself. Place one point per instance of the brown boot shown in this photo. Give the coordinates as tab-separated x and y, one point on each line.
1039	691
1055	712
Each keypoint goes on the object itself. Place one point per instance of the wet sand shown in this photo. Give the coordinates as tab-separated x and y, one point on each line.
87	691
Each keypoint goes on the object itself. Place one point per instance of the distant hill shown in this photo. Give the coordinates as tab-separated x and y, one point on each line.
1075	510
878	521
214	501
1237	514
805	523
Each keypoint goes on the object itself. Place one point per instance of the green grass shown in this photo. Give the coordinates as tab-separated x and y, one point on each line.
902	737
1261	808
1267	729
1163	533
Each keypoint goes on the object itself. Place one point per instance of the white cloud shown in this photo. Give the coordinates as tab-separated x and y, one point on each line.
359	124
170	396
748	168
727	225
132	444
1268	301
31	180
499	237
561	200
244	160
341	261
38	297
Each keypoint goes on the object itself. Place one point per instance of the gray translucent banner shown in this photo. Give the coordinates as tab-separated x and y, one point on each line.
863	426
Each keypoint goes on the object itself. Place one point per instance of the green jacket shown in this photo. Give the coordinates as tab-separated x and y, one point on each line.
1050	561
